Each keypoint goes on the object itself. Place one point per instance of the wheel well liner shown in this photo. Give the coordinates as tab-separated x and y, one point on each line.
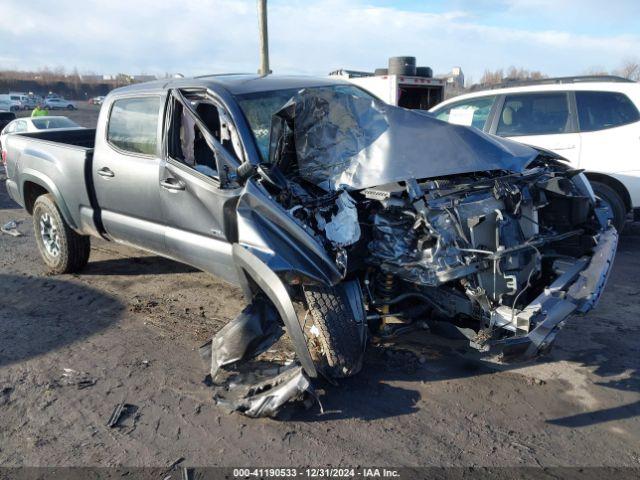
31	191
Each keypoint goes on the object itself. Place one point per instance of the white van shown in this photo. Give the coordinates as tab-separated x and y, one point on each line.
594	122
14	100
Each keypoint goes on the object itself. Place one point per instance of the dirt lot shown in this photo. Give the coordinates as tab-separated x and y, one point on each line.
133	322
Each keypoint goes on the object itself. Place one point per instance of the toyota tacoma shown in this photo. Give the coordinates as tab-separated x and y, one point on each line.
341	217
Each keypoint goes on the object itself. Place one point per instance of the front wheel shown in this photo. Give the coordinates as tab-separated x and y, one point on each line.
334	336
62	249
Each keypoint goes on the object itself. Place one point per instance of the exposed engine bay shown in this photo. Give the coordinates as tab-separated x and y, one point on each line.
474	249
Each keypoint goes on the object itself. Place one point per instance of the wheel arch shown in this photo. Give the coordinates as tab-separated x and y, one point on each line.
615	184
34	185
253	270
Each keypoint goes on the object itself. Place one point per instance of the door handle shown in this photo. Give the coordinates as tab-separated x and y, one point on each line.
172	184
106	172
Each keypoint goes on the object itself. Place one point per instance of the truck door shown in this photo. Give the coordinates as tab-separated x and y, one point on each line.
125	172
541	119
198	201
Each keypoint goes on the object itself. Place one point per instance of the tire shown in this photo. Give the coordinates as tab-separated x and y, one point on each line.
62	249
402	66
425	72
334	336
616	205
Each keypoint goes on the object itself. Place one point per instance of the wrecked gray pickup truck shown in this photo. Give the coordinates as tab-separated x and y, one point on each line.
341	217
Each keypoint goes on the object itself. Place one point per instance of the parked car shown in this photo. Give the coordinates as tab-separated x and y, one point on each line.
5	105
15	104
35	124
59	103
30	101
311	192
96	100
594	122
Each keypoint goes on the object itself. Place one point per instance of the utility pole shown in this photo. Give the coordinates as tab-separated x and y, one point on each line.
264	38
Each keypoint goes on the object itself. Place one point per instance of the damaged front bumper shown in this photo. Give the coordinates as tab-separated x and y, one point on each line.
576	291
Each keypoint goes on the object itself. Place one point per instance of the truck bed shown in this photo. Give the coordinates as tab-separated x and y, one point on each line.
84	138
59	161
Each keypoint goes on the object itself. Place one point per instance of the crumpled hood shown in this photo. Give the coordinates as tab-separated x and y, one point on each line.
346	141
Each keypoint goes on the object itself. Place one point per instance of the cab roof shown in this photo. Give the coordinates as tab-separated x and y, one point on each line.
236	83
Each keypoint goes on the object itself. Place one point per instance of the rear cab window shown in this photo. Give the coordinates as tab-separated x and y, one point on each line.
473	112
133	124
534	114
602	110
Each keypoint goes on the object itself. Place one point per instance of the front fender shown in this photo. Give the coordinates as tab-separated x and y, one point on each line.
251	267
279	241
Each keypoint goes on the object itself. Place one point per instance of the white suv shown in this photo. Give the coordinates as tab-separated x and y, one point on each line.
593	122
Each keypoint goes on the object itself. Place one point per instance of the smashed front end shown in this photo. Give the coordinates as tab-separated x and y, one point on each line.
442	222
390	220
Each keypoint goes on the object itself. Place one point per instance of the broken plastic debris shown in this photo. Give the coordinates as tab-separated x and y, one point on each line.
267	397
343	229
80	379
251	333
121	412
11	228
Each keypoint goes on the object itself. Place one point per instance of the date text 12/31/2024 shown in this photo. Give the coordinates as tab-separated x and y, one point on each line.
315	473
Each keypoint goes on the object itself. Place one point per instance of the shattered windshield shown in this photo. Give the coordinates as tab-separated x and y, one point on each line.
340	137
259	108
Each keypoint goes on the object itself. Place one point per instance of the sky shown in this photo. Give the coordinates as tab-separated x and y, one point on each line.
195	37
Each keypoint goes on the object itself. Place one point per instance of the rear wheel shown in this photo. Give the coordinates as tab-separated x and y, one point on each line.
613	202
334	335
62	249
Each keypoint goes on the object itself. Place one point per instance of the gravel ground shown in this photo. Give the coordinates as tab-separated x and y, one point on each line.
127	329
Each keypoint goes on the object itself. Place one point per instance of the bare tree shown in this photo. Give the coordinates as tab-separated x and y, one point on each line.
596	70
630	69
491	77
513	73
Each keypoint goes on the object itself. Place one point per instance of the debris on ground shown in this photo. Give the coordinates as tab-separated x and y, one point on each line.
244	373
266	397
251	333
176	462
121	412
11	228
80	379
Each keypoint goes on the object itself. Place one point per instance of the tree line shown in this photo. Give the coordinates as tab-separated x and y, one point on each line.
629	69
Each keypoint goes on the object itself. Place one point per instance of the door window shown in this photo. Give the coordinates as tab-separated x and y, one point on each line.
601	110
195	140
133	125
534	114
188	144
473	112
